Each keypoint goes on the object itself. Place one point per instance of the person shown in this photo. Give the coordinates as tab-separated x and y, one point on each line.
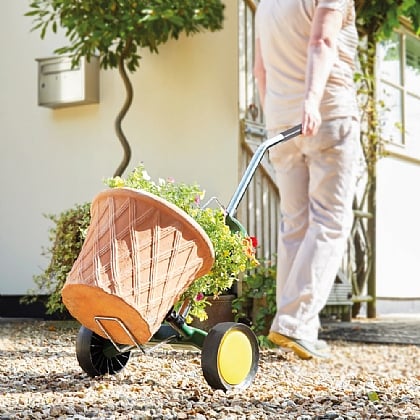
304	69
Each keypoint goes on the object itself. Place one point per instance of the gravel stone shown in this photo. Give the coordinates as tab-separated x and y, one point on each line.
40	379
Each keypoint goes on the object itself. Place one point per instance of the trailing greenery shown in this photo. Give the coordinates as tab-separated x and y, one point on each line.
234	253
66	237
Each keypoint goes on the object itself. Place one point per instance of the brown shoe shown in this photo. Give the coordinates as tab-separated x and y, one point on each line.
304	349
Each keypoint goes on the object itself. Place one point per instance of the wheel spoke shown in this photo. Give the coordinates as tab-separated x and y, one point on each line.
93	354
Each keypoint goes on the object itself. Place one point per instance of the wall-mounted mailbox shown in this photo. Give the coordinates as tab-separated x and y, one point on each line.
61	85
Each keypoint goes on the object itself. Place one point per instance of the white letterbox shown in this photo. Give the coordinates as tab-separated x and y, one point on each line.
61	85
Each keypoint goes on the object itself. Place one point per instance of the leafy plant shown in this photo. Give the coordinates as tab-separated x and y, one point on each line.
257	303
116	29
378	18
234	253
66	236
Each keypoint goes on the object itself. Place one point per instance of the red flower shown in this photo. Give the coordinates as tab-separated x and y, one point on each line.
254	241
250	243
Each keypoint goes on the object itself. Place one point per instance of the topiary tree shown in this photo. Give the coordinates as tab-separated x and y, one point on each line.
118	29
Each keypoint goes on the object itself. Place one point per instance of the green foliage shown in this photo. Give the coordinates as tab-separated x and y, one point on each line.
117	28
234	253
66	236
378	18
257	301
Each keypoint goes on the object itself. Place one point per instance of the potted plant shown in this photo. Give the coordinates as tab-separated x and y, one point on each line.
234	252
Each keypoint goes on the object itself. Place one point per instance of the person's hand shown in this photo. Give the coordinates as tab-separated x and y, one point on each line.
311	118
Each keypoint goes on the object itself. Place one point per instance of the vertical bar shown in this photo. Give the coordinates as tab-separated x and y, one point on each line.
371	231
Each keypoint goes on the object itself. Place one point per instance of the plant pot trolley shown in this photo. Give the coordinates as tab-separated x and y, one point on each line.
140	254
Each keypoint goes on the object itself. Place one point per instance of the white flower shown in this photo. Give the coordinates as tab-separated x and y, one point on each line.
145	176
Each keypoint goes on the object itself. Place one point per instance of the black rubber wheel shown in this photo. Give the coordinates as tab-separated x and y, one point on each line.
229	357
97	355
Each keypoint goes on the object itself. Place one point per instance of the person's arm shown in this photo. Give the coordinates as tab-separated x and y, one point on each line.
259	72
321	55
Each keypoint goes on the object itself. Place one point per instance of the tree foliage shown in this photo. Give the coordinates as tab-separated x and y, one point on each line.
116	29
378	18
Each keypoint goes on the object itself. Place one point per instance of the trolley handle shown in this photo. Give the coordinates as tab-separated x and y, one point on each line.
253	164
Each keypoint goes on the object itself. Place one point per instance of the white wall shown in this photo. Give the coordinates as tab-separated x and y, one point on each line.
183	123
398	229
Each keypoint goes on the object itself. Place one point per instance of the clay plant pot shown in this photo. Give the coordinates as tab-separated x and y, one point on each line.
140	254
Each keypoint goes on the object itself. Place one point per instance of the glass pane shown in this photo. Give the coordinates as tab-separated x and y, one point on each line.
412	118
390	114
389	58
412	63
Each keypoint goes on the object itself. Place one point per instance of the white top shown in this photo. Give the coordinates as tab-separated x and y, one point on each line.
284	27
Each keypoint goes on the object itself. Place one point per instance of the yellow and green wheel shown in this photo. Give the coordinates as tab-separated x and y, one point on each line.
229	356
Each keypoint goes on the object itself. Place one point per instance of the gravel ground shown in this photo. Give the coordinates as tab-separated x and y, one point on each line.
41	379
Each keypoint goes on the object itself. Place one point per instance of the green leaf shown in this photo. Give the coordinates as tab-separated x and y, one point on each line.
32	13
373	396
95	26
44	30
177	20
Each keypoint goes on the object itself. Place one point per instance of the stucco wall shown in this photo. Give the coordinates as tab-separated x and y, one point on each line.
183	123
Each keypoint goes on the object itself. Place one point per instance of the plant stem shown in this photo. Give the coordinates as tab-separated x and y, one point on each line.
128	100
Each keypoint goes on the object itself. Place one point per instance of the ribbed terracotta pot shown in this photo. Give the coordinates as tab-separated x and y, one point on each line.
140	254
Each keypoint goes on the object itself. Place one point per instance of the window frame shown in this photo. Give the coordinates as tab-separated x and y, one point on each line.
406	148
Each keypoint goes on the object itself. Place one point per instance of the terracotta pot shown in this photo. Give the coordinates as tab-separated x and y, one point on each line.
140	254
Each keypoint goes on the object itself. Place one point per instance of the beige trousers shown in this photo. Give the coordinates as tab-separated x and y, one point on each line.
316	177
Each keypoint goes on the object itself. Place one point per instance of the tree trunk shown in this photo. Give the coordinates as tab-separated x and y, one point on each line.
128	100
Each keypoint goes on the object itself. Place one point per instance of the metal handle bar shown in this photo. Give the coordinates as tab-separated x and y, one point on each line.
255	161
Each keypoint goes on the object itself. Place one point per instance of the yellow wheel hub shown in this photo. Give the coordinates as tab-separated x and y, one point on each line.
234	357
